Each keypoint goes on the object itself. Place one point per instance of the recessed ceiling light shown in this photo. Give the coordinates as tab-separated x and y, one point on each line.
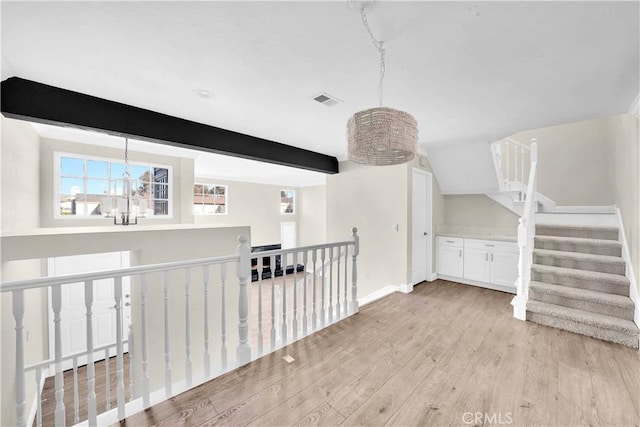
203	93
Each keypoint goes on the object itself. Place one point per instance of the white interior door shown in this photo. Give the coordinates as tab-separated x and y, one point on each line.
73	313
421	224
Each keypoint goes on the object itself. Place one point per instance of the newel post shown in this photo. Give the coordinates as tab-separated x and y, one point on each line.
520	306
243	270
353	305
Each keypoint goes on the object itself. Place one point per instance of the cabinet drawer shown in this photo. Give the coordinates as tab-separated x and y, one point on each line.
491	245
450	241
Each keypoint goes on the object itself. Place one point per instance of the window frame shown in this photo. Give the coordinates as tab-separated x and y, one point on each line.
226	199
294	202
84	157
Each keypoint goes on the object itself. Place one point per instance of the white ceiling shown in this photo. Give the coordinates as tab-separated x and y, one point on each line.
466	71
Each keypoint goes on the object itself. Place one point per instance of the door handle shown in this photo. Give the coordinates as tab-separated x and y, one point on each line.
425	233
486	256
491	257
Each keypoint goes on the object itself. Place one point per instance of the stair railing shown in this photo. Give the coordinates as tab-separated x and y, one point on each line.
526	235
205	291
511	158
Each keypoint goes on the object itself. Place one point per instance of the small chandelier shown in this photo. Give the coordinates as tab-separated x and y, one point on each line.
381	136
122	203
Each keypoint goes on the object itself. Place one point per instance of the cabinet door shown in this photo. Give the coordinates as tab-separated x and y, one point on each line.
476	264
504	268
450	261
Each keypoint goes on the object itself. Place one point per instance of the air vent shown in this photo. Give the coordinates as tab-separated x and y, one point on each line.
326	99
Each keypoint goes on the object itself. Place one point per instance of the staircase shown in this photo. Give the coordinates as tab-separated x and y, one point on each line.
578	283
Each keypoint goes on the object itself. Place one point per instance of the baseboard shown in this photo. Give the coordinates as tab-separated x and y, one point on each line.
380	293
434	276
501	288
406	288
626	256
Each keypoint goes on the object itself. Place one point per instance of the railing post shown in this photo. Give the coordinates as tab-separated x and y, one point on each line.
18	315
243	271
167	338
56	302
354	271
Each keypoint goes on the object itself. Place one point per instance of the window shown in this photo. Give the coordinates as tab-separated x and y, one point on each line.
287	202
209	199
84	181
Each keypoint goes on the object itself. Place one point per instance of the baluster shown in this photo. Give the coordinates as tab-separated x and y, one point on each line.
167	340
223	314
354	271
338	311
508	149
314	315
260	269
346	281
59	381
331	285
92	411
284	299
304	295
20	385
294	323
207	357
119	349
107	376
322	299
243	271
143	341
187	326
39	396
522	167
76	405
133	393
515	162
272	263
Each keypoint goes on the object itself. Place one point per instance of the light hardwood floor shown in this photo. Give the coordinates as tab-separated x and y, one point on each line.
446	354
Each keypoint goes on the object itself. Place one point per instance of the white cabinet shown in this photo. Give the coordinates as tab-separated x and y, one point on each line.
480	262
491	261
449	257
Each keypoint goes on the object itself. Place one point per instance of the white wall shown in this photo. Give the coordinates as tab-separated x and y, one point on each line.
573	162
373	199
253	205
19	156
478	215
312	226
625	165
182	181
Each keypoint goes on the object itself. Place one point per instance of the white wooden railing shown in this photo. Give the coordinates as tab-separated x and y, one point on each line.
513	160
526	235
325	299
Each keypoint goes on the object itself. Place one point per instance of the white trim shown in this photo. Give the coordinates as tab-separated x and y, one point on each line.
380	293
56	185
295	196
434	276
501	288
634	108
629	273
406	288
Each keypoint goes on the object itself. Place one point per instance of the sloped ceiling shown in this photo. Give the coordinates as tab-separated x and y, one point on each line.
471	72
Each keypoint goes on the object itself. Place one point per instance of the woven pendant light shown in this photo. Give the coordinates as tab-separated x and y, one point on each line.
381	136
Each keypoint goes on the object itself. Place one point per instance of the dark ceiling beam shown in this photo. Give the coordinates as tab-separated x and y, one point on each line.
32	101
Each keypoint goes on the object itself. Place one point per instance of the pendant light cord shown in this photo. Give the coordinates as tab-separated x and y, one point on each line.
379	46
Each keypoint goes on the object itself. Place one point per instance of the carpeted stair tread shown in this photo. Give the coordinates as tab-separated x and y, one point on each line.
593	280
594	232
580	261
592	319
579	244
583	294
